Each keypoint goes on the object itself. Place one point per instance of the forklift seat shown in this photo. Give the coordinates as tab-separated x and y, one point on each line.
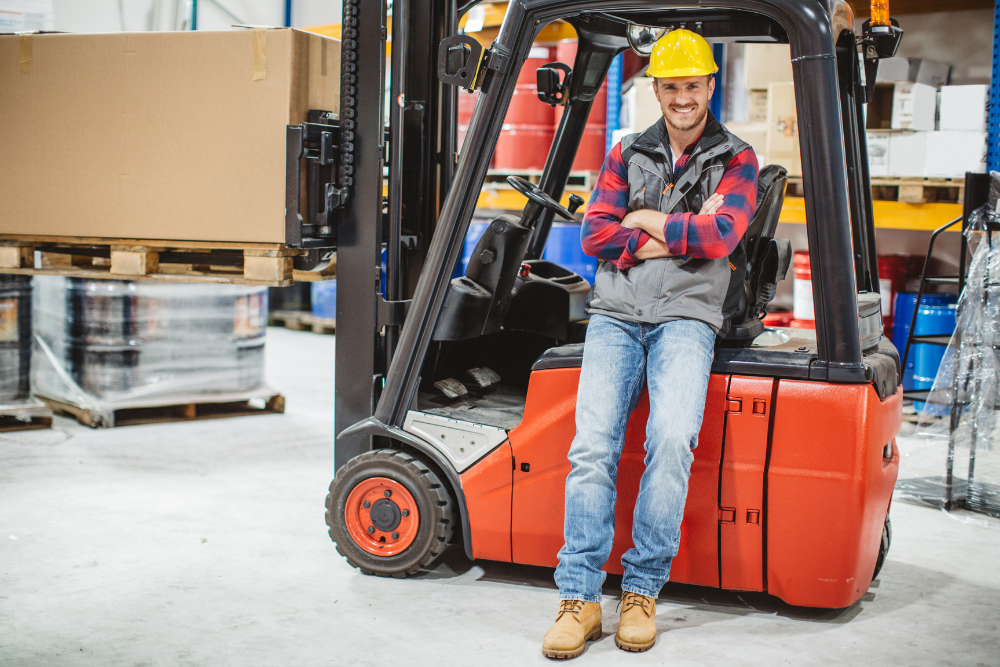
767	258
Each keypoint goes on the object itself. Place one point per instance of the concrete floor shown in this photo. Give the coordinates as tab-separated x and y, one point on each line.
204	544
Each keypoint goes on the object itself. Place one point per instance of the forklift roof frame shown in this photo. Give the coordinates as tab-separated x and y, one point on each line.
812	35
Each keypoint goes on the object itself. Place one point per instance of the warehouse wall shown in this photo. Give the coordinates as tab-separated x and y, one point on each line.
138	15
963	39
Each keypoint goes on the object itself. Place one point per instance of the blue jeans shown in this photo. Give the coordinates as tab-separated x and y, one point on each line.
674	360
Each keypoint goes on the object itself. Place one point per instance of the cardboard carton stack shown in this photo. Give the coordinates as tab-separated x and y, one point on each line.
920	128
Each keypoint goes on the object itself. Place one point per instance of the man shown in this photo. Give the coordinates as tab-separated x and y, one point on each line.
669	207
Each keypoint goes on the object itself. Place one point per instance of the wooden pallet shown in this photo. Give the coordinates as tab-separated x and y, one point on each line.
28	416
300	320
201	407
906	190
266	264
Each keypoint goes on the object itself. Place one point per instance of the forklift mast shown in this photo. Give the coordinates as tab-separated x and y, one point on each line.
431	199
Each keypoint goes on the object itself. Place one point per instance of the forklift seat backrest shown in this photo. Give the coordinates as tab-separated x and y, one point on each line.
767	258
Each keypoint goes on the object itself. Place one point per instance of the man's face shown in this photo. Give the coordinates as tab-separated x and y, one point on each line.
684	101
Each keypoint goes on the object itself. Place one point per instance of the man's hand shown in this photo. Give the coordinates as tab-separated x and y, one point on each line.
712	205
647	220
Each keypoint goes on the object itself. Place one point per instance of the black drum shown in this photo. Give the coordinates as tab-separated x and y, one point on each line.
15	338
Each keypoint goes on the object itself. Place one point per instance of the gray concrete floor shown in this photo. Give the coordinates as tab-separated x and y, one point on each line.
204	544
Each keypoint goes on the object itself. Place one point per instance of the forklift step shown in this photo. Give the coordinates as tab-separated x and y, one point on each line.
265	264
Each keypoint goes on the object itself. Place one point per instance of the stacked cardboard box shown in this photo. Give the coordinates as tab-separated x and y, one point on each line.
915	145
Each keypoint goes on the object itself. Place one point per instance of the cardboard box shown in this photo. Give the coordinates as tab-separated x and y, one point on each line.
782	144
643	109
176	136
757	106
754	134
916	70
878	153
936	154
764	64
914	106
878	112
951	154
965	108
907	153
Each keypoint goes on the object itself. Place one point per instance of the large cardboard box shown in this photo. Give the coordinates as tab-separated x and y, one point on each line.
640	104
936	154
754	134
782	145
965	108
757	106
174	136
951	154
764	64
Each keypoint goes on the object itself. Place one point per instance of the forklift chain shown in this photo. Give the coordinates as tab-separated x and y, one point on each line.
348	79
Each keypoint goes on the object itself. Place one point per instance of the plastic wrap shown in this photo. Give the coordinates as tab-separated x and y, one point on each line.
15	339
954	460
103	344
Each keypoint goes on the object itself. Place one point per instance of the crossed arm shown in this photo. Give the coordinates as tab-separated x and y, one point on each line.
652	223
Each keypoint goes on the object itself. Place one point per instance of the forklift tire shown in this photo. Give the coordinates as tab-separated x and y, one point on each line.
883	548
389	513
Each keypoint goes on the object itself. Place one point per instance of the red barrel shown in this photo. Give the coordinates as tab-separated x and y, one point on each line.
526	109
780	318
893	272
590	156
804	316
528	127
522	147
466	105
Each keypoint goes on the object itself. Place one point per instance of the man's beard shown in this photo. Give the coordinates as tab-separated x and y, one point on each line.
693	123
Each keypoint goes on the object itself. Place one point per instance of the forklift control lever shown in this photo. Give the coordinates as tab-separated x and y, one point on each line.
540	197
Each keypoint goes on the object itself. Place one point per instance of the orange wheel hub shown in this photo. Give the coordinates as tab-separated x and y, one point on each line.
381	516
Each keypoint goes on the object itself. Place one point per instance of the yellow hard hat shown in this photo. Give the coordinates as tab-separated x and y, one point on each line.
681	53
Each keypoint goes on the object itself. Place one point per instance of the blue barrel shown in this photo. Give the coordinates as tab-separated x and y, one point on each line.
324	299
936	317
563	248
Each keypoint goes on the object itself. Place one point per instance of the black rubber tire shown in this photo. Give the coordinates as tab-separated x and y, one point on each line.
883	548
434	506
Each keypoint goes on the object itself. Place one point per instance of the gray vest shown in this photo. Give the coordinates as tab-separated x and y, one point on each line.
669	288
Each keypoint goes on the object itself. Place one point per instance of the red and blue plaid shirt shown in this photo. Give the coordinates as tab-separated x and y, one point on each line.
686	234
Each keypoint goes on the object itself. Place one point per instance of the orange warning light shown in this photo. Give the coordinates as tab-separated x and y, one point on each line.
880	13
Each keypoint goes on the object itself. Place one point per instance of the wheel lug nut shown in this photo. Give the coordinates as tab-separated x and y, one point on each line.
395	535
388	493
371	529
366	504
406	512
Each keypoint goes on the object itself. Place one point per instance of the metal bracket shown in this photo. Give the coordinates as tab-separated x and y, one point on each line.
391	313
460	60
318	143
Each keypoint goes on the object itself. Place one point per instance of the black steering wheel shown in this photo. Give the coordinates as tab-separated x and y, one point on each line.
539	196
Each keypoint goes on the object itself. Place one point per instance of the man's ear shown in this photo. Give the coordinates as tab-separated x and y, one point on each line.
656	88
711	85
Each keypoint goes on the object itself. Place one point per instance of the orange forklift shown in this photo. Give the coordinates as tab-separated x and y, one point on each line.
456	395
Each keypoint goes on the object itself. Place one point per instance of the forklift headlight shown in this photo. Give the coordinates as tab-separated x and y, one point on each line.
642	38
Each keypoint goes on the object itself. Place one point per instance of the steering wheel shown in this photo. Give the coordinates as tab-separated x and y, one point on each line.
539	196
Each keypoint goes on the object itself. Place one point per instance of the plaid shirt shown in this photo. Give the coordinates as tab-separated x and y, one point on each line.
686	234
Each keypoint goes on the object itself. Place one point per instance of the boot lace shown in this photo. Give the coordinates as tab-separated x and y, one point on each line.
630	600
570	607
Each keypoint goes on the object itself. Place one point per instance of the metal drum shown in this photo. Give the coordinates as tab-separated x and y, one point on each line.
15	338
126	339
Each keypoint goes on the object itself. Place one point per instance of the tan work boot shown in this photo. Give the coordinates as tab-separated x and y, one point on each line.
637	627
577	623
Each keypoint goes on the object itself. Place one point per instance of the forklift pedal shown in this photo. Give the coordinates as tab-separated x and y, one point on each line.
484	376
451	388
